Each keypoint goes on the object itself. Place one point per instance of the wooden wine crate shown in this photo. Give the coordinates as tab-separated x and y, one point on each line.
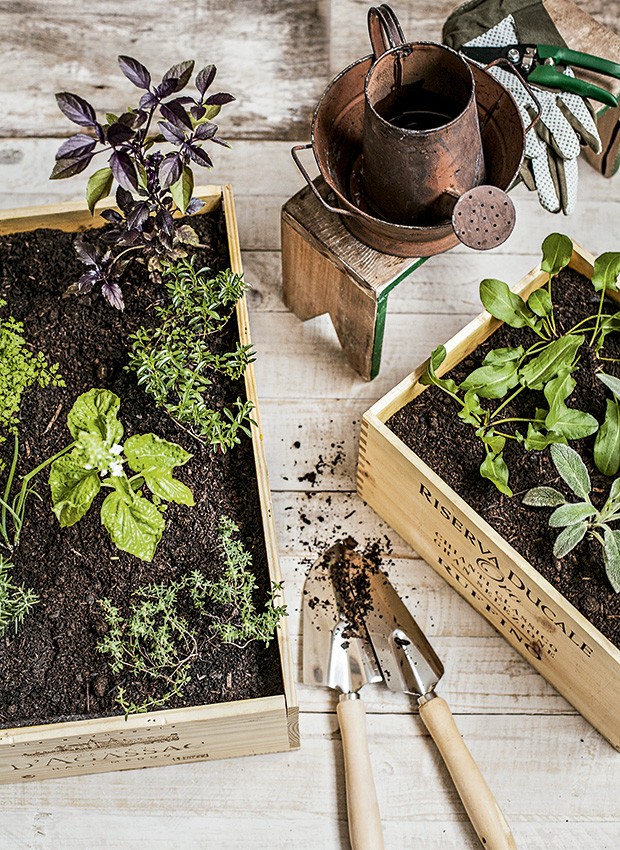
582	664
168	736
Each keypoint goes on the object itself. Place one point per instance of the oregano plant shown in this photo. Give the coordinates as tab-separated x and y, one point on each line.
581	518
151	185
547	366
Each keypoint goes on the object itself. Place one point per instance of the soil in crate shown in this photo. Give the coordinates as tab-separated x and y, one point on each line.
430	427
51	670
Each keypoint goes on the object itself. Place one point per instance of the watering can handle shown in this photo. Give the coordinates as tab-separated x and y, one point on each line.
294	153
384	29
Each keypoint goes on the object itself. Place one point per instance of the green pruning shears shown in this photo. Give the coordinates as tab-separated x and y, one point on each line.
538	63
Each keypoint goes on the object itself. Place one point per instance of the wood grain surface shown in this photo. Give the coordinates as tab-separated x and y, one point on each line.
555	778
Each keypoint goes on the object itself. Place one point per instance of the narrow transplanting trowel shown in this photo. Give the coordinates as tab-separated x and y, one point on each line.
410	665
337	654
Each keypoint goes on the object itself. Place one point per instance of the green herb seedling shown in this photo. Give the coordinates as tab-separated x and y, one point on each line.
96	459
15	600
580	518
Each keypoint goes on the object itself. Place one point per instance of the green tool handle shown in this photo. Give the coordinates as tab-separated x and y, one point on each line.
565	56
550	76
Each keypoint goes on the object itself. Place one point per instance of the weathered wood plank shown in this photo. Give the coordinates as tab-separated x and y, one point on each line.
272	56
198	805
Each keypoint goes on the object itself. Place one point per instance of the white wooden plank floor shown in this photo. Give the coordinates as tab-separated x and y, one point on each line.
557	780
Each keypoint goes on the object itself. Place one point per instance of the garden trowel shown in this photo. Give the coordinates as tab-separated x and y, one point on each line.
337	654
410	665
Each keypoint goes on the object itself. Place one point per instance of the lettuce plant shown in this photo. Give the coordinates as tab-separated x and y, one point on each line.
96	460
151	185
576	519
547	366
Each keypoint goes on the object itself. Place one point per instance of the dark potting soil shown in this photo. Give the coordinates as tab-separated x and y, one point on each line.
430	427
51	670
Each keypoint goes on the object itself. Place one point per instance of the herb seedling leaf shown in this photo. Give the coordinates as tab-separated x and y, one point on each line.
544	497
569	538
135	525
572	469
571	514
611	554
606	271
73	486
557	250
612	383
607	442
505	305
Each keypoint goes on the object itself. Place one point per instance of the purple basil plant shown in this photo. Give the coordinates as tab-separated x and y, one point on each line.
151	185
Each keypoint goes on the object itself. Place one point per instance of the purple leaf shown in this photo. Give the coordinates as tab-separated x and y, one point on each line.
171	133
205	131
100	133
87	253
204	78
165	88
219	99
112	215
170	170
180	73
124	170
76	146
86	282
148	101
113	295
124	199
176	114
70	165
165	222
194	206
220	142
135	72
198	111
76	109
137	217
119	133
199	156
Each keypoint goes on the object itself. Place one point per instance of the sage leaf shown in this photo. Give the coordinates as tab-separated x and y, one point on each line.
505	305
73	487
614	493
610	382
146	452
572	469
99	186
135	525
606	271
569	538
96	411
611	554
540	303
556	253
557	357
544	497
494	468
607	442
571	514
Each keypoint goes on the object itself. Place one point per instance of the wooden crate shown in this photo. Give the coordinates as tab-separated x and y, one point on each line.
474	559
244	727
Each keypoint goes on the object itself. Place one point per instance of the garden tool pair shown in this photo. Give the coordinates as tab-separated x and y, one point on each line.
357	631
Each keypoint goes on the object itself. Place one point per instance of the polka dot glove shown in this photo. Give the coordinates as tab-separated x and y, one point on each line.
554	142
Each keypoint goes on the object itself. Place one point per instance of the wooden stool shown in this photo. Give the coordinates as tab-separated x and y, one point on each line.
327	270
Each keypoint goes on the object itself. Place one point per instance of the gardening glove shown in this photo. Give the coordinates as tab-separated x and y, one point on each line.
566	122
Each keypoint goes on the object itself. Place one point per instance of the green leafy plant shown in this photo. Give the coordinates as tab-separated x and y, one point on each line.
21	370
156	643
15	600
576	519
174	363
151	185
546	366
96	459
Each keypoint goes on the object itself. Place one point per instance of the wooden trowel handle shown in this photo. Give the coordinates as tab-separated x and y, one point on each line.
480	804
365	830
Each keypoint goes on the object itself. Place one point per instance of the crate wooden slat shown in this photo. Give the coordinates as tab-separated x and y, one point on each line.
243	727
580	662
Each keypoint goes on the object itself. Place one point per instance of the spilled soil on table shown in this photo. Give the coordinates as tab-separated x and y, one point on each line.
51	670
430	427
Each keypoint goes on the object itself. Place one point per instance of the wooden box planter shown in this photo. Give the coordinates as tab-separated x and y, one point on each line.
166	736
573	655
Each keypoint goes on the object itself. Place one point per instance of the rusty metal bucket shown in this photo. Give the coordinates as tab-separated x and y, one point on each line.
337	140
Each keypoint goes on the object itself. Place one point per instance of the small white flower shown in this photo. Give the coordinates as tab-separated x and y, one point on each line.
103	472
88	466
116	449
116	468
